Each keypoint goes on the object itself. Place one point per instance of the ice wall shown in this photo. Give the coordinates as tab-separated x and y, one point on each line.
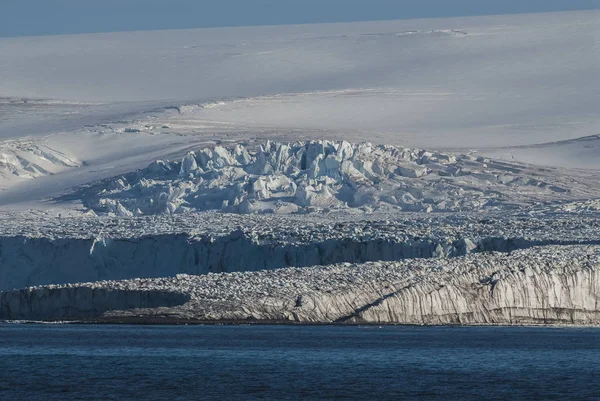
542	285
550	285
26	262
80	302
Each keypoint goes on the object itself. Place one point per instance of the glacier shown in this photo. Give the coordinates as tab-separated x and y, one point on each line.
455	85
547	285
440	171
63	250
305	176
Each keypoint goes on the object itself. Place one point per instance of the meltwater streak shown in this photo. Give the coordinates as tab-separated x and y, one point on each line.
39	362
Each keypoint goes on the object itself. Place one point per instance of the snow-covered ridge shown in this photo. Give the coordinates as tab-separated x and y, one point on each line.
581	152
28	159
305	176
546	285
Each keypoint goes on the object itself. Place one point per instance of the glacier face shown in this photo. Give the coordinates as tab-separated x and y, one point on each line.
82	303
236	204
300	177
425	268
63	250
27	262
546	285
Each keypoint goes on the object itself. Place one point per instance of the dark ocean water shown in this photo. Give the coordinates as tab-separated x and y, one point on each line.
58	362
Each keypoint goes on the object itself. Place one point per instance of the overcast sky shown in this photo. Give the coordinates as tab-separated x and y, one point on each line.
43	17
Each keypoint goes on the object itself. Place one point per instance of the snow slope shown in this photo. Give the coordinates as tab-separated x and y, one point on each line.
575	153
120	101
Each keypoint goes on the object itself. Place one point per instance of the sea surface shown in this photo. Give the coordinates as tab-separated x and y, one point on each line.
105	362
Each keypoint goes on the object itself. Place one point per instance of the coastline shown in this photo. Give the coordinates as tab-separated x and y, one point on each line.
134	321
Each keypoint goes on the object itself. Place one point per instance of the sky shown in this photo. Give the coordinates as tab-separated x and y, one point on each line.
47	17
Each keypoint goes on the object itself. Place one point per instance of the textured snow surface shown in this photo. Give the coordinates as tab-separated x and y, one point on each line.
546	285
306	176
568	220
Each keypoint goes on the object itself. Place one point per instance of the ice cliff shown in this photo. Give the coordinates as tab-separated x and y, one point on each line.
296	177
57	250
33	261
547	285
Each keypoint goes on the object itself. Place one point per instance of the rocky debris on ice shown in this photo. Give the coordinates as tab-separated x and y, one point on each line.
560	221
547	285
581	206
285	178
